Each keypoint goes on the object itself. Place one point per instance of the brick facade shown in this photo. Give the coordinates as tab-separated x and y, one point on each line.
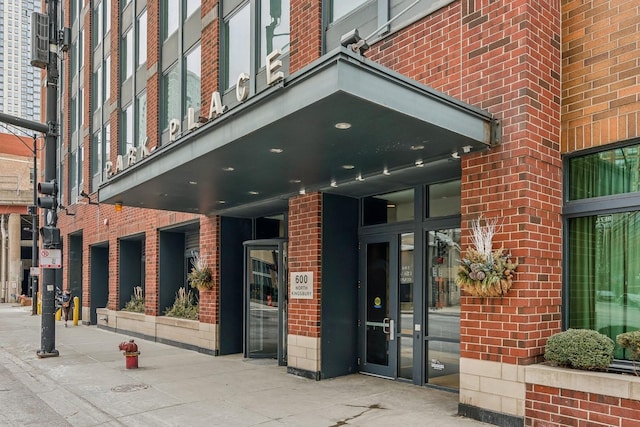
600	87
305	233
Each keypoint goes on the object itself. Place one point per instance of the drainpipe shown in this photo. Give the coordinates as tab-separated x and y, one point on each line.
3	260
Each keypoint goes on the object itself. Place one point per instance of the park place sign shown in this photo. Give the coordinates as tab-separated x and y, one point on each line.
216	109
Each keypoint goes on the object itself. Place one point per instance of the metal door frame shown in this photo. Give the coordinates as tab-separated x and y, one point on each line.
390	371
281	246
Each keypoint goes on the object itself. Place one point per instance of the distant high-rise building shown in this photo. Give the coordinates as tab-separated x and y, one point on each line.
19	88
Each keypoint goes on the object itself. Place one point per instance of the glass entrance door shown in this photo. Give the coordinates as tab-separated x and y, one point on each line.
386	307
265	300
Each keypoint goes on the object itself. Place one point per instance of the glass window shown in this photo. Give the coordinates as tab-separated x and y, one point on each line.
192	6
605	174
193	78
274	30
127	55
141	38
96	154
97	88
388	208
171	17
604	275
444	199
127	129
141	118
340	8
238	46
107	16
170	96
107	78
98	21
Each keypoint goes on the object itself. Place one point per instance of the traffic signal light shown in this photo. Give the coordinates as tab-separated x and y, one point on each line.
49	190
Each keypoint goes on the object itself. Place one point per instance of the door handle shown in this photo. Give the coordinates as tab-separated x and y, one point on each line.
388	328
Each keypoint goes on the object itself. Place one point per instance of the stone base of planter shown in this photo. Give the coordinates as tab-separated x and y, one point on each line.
191	334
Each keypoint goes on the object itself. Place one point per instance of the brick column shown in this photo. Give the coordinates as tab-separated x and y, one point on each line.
306	33
305	244
210	251
511	67
210	52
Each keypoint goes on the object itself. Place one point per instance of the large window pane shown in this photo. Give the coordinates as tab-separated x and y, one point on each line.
107	78
127	130
444	199
193	77
340	8
388	208
141	31
274	28
141	118
127	56
170	17
192	6
605	174
604	275
238	47
170	96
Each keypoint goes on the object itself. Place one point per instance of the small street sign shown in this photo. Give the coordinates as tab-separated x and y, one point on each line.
51	258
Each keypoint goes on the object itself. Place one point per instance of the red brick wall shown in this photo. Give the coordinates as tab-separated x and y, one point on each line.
503	57
210	53
209	250
551	406
305	242
600	72
306	33
153	82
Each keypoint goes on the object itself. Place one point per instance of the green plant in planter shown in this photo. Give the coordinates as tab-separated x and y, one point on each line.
580	349
200	275
185	306
136	303
631	341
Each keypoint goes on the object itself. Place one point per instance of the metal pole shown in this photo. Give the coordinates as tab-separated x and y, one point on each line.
48	331
34	231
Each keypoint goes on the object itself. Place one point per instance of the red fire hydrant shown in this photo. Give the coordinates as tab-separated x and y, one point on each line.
131	353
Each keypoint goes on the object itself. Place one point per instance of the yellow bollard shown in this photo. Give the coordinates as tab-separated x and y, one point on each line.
39	310
76	310
59	314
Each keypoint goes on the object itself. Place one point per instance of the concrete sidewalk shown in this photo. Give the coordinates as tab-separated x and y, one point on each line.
88	385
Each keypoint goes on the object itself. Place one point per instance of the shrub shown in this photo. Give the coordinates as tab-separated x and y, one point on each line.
136	303
185	306
631	342
580	349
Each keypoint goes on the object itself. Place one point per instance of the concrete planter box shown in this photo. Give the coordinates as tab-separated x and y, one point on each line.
558	396
191	334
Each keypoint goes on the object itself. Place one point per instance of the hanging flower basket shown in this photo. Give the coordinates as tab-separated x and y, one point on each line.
484	272
200	276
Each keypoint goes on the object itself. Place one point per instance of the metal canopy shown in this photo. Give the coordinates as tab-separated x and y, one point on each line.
284	141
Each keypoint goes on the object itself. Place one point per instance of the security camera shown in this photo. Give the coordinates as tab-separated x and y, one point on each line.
350	38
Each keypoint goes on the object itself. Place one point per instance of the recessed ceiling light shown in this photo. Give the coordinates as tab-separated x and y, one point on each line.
334	184
385	171
302	191
417	147
193	182
295	181
228	169
419	163
276	150
343	125
222	202
348	167
253	193
359	177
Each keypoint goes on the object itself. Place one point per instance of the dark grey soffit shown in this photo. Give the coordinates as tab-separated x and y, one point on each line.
391	117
